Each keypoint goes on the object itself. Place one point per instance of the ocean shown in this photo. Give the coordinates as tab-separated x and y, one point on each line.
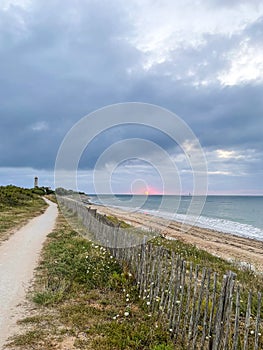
239	215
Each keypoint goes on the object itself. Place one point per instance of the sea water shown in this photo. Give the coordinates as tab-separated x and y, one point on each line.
239	215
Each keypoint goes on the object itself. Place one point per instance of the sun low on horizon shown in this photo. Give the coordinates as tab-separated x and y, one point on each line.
149	191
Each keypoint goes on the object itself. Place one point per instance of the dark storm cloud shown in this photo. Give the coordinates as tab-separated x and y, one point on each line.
123	132
230	121
59	61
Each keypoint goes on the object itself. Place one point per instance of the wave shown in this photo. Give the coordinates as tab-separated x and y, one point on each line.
221	225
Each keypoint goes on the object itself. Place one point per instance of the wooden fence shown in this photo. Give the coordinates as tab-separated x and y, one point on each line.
201	309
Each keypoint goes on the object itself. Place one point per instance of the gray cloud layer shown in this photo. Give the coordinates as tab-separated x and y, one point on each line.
62	60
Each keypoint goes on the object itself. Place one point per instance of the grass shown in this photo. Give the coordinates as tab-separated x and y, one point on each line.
17	206
86	300
248	278
116	221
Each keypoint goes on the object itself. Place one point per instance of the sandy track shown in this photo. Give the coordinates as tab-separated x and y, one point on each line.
226	246
18	259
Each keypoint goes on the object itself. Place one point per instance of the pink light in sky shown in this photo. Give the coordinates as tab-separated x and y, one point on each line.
147	190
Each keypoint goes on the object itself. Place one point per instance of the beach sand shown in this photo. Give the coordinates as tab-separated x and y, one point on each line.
244	251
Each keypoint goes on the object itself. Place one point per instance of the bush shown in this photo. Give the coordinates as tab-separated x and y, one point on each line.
40	191
13	196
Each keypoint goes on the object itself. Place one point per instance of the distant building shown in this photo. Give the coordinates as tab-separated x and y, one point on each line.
36	182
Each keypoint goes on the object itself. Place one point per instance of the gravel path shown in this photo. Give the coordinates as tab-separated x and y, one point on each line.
18	259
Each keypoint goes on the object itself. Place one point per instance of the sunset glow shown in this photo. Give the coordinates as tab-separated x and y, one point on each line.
149	191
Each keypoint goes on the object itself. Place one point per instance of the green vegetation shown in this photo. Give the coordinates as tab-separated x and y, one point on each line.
83	298
189	252
86	298
17	206
64	192
116	222
13	196
42	191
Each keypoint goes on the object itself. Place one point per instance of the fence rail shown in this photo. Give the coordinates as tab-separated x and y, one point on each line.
201	309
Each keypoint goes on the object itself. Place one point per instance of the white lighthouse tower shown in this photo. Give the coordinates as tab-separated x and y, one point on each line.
36	182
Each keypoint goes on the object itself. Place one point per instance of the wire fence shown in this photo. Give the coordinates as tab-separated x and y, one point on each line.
201	309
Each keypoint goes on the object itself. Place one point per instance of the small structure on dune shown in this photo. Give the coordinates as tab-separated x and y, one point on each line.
36	182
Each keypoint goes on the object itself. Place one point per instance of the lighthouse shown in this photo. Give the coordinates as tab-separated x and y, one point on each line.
36	182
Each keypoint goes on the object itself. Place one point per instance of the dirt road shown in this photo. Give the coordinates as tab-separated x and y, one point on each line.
18	259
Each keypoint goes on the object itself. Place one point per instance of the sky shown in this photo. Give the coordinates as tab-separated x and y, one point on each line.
202	60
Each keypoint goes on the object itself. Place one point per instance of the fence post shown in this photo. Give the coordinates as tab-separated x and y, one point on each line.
236	330
257	322
178	291
220	315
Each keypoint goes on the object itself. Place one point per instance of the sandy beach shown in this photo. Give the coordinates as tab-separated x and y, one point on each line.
227	246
